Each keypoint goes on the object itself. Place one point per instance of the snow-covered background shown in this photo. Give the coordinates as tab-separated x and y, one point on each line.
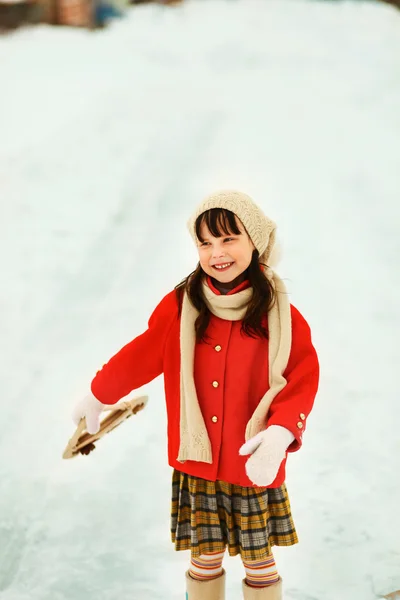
108	140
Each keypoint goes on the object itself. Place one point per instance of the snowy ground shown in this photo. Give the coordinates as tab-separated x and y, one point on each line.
107	141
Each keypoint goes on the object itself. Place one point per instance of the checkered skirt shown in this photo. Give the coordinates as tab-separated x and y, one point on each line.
208	516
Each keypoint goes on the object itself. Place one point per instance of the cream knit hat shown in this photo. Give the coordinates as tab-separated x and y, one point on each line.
260	228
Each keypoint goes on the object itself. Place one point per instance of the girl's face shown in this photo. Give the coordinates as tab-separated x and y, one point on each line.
225	257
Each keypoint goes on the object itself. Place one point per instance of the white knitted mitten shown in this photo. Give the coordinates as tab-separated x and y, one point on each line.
268	449
90	408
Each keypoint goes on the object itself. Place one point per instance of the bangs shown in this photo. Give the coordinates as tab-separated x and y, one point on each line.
218	221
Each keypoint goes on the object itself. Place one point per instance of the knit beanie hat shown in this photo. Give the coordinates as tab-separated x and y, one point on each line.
260	228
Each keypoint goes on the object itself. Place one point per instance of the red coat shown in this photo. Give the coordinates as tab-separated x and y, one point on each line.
231	377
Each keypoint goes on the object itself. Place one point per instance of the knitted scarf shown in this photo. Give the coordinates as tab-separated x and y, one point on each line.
194	441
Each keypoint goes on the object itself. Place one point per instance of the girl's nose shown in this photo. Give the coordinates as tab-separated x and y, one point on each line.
218	252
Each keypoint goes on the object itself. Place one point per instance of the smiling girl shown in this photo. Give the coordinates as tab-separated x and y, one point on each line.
240	375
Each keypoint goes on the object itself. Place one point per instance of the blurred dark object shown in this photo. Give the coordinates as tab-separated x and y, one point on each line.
90	14
104	11
167	2
75	13
14	14
48	11
393	2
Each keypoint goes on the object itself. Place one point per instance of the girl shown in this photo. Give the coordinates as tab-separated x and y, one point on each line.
241	375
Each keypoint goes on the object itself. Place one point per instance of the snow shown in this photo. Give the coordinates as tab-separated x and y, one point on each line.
108	140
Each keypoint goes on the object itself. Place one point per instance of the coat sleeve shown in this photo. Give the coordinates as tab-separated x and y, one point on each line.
294	403
141	360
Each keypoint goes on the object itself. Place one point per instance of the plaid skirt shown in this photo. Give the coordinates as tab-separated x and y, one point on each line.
208	516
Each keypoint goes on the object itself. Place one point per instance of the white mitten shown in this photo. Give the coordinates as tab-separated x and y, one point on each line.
268	449
90	408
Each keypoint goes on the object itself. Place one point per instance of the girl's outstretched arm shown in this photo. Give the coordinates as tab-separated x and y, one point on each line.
141	360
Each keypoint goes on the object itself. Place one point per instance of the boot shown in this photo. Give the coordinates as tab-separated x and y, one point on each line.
271	592
205	590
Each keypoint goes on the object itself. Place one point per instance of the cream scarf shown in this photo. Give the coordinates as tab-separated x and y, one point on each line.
194	441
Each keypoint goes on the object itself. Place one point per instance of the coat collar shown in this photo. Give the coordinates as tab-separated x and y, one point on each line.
242	286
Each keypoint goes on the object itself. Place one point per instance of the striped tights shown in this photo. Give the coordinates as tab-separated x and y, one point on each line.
259	573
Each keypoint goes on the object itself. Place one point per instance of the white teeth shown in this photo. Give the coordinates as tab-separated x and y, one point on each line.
222	266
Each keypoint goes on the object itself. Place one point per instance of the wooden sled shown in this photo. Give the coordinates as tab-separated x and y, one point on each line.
82	442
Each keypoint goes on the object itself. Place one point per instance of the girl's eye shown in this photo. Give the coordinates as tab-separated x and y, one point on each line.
228	239
204	243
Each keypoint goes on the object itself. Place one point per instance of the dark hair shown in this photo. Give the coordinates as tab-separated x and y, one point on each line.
222	222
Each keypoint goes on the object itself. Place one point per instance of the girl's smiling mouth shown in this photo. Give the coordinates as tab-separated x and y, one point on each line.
223	266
